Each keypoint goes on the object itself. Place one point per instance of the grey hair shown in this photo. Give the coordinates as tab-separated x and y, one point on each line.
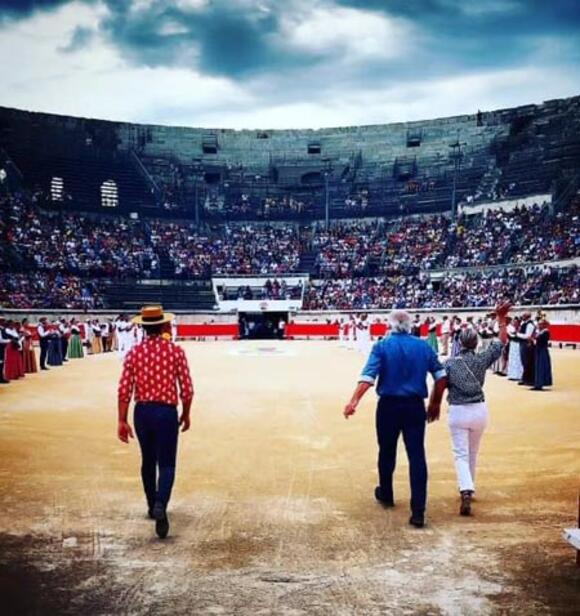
400	321
469	339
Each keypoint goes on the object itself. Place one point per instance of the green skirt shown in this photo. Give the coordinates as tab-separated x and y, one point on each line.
75	347
432	341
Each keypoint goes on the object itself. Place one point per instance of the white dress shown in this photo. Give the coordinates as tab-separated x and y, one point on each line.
515	369
363	337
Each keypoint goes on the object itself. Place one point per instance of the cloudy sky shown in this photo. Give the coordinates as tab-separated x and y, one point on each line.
285	63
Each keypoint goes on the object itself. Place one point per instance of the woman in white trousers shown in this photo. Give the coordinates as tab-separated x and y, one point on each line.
468	414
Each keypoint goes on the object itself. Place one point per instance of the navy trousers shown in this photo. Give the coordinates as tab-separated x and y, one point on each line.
43	352
157	428
406	415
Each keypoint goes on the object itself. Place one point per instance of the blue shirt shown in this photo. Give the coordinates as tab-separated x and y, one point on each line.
401	363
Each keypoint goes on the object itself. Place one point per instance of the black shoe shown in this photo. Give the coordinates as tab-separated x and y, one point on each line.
417	519
465	508
44	368
161	521
162	527
537	389
150	513
380	496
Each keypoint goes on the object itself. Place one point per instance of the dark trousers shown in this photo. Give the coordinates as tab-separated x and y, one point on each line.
406	415
527	355
64	348
43	351
157	426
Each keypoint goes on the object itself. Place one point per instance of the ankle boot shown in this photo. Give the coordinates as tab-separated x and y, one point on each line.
465	508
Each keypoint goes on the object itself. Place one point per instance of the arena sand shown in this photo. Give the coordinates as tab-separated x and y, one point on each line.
273	509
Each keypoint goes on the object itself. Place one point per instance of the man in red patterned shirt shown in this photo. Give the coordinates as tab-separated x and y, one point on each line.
152	371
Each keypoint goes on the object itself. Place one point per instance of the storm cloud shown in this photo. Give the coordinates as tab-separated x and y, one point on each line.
274	56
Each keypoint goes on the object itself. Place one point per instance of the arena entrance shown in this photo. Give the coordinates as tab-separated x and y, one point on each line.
262	325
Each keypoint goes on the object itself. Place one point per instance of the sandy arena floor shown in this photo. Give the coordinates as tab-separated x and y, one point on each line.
273	509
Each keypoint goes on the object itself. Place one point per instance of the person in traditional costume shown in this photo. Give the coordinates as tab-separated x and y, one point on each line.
106	336
4	342
486	333
445	335
416	327
515	368
341	333
352	333
363	335
13	360
88	337
97	342
498	363
28	349
527	351
543	363
432	337
64	332
43	331
75	347
456	331
54	355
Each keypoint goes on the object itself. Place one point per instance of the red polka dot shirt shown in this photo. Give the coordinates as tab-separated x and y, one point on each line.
153	370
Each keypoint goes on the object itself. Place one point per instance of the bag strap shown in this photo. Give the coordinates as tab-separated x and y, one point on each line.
476	380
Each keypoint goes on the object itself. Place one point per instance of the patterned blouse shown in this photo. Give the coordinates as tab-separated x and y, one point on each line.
152	371
466	374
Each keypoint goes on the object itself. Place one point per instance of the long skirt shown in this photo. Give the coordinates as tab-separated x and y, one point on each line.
97	345
54	355
75	347
543	372
13	363
528	355
29	358
432	341
515	369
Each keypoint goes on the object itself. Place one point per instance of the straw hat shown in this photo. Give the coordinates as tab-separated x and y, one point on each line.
153	315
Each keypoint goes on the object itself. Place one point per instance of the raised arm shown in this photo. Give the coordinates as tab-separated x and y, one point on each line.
493	352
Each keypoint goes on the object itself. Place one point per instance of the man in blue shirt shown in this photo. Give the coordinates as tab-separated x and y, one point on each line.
399	364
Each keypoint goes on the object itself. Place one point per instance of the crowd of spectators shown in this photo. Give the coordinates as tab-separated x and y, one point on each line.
74	243
523	285
400	252
345	249
234	249
239	206
48	290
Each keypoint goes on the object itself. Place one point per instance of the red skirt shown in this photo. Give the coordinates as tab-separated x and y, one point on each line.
29	358
13	363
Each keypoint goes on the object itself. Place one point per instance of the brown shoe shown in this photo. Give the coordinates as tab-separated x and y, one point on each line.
465	508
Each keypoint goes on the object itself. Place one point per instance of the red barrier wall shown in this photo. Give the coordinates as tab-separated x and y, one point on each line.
229	330
558	332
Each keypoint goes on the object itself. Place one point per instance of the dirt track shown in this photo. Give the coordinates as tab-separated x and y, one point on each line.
273	510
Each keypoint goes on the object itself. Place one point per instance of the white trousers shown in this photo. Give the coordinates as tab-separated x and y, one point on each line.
467	423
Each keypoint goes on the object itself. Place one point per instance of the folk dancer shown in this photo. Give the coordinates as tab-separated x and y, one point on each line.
152	372
527	351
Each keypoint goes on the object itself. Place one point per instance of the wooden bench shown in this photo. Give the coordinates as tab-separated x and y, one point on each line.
572	536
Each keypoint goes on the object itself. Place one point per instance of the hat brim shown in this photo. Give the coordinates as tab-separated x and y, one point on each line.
166	318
